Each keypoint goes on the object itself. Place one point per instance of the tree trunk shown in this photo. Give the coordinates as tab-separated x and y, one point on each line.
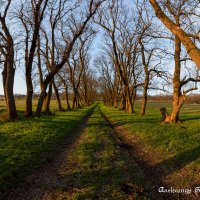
67	98
74	104
11	107
4	77
115	103
123	102
134	95
9	70
144	97
57	96
178	99
41	100
129	104
192	49
29	95
176	109
48	100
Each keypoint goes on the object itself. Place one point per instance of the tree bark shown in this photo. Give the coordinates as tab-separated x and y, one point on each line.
57	96
144	96
67	97
9	70
11	107
29	94
178	98
129	104
48	100
41	101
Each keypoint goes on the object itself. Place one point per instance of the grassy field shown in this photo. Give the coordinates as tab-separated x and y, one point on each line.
27	143
178	145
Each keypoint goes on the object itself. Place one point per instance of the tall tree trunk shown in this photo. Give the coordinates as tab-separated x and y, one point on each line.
4	77
41	100
67	97
11	107
74	104
29	94
86	96
115	103
9	70
123	101
144	96
178	99
190	46
134	95
48	100
129	104
57	96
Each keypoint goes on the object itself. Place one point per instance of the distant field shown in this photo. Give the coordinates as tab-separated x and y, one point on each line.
20	103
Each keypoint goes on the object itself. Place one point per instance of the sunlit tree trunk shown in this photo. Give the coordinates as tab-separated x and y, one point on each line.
178	98
48	100
192	49
57	96
9	69
144	96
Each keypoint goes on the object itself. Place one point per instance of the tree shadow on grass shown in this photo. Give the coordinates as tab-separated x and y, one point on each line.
101	184
39	147
190	118
179	161
158	172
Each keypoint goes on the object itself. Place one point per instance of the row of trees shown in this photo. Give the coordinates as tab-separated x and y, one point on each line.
140	54
146	45
51	39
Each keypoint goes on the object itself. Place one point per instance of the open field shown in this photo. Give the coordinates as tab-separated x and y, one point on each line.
116	156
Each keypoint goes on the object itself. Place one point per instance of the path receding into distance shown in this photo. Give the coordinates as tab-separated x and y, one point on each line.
97	161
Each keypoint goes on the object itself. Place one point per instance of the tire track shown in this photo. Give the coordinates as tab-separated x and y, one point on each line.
151	175
47	178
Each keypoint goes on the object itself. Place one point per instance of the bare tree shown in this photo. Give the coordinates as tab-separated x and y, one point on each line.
121	47
179	93
185	37
32	28
77	32
7	50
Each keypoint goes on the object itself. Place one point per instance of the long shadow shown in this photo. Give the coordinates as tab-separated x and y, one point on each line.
103	182
156	173
179	161
188	118
45	156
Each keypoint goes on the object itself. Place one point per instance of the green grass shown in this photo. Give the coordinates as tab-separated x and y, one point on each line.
28	143
178	144
99	168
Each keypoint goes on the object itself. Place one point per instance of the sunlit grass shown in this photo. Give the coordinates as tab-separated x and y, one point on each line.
99	168
179	143
27	143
